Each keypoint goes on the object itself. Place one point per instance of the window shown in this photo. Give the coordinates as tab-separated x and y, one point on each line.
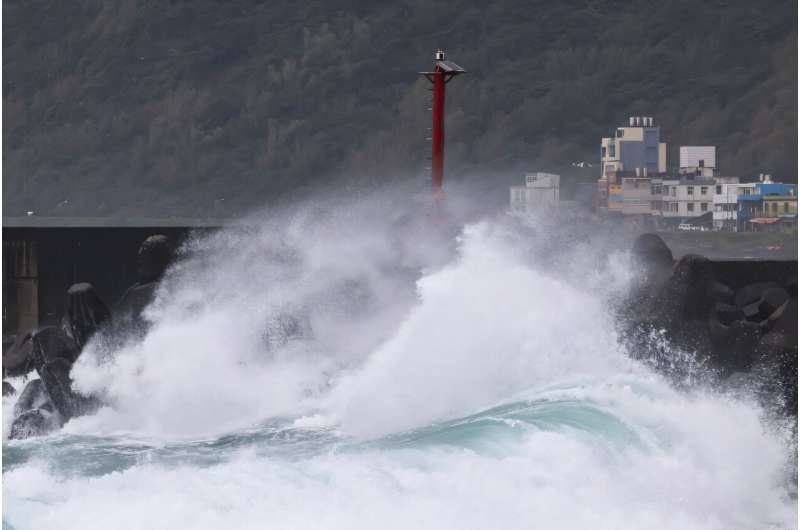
620	133
703	190
690	190
651	155
775	207
690	206
718	190
673	190
612	150
786	207
674	206
703	206
702	163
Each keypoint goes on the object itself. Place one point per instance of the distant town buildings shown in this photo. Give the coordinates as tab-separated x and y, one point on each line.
541	190
635	183
635	149
634	152
726	200
767	206
697	160
685	197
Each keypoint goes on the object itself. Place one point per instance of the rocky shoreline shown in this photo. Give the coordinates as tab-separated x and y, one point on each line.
727	318
45	404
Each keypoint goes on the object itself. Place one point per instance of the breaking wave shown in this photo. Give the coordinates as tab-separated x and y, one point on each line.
346	366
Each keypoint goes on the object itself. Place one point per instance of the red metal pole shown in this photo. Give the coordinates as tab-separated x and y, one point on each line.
437	131
443	72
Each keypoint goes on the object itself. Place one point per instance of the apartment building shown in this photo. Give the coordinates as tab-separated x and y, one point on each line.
698	160
541	191
726	199
635	149
686	197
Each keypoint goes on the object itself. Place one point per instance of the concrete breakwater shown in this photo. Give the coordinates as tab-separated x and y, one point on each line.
45	404
726	319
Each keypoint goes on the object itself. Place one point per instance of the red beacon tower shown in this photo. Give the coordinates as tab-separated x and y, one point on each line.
443	72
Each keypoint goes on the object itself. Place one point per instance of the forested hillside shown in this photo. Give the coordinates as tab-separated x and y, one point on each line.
167	107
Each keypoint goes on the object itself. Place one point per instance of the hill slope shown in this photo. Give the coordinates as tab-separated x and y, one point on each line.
158	108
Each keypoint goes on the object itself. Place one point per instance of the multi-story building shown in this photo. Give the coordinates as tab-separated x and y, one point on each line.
698	160
748	207
783	208
629	160
541	190
779	205
635	149
685	198
770	206
755	205
615	198
636	196
726	199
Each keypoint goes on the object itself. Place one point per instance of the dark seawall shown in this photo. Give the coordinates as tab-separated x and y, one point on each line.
731	313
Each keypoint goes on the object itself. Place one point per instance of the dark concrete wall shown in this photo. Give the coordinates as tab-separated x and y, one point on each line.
102	256
738	273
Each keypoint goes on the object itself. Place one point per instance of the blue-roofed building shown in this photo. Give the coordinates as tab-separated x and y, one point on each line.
751	210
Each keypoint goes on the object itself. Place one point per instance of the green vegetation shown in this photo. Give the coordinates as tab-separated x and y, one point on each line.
128	107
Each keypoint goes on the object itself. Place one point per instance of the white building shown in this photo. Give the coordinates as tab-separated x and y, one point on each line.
698	160
726	202
541	190
686	197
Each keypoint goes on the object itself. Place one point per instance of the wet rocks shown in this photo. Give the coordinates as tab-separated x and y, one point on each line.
18	359
86	314
8	389
129	309
56	380
34	412
46	403
652	251
729	329
155	255
726	314
51	343
36	422
752	293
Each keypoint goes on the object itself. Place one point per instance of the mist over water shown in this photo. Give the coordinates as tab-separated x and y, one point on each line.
378	362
